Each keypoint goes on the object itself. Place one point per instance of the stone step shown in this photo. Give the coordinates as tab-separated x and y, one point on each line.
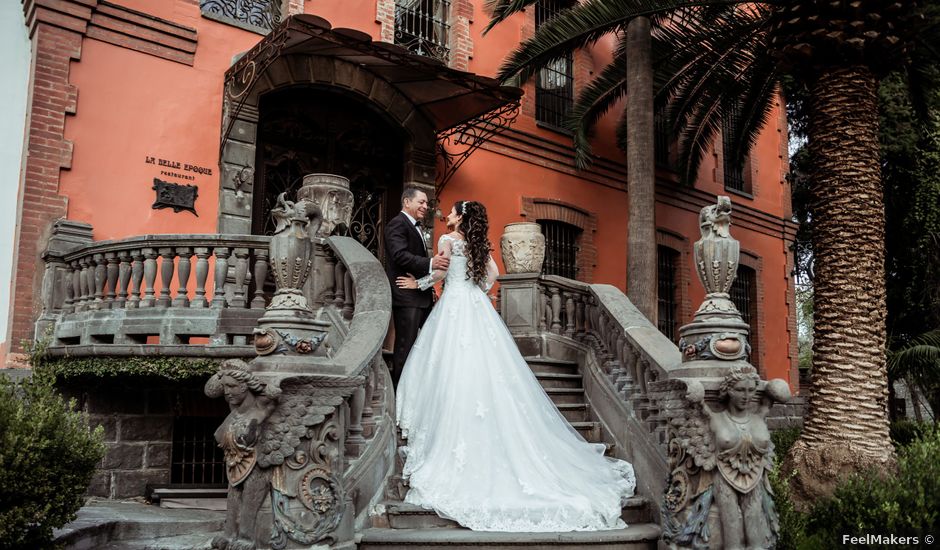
554	366
574	412
590	431
103	522
401	515
555	380
182	542
566	395
635	537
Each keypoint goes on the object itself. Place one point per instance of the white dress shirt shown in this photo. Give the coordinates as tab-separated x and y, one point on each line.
414	223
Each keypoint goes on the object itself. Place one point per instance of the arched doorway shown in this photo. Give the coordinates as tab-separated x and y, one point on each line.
307	129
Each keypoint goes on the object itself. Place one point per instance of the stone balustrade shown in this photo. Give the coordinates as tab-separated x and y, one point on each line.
180	295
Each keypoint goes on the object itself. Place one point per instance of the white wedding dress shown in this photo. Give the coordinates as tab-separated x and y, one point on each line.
486	446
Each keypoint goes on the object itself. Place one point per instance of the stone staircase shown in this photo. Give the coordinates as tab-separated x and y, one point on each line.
399	525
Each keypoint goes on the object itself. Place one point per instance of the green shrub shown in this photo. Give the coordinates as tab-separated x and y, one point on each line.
783	440
905	432
905	505
47	457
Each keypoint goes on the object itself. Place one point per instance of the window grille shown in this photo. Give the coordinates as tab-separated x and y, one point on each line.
196	457
554	86
744	295
561	248
667	261
734	172
663	140
265	14
422	26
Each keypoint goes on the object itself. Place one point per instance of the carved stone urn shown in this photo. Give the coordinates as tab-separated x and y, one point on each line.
331	194
288	325
523	247
717	332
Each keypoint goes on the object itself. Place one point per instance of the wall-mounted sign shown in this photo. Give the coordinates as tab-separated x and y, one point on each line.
175	196
178	170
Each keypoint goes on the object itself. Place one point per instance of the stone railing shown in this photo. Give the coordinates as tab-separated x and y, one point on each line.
184	295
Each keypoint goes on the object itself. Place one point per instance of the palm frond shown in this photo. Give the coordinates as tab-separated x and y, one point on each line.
594	102
918	359
503	9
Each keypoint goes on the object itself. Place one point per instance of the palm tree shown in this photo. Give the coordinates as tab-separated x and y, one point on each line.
719	58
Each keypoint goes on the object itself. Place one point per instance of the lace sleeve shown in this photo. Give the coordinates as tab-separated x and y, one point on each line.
491	273
444	248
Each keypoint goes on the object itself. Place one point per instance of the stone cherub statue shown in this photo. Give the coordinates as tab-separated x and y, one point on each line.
720	458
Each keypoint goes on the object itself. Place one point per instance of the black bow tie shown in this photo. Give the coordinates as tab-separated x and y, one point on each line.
417	223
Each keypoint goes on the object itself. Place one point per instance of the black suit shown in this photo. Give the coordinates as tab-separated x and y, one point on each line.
405	252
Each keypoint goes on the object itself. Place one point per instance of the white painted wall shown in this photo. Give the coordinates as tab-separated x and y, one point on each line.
14	83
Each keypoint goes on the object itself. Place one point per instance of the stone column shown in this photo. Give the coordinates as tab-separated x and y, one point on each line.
66	236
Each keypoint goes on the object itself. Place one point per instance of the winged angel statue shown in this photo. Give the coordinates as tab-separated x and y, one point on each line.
719	460
277	439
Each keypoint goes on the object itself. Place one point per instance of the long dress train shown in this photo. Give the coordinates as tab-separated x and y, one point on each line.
486	446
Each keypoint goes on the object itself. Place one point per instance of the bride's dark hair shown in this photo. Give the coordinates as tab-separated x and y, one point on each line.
475	228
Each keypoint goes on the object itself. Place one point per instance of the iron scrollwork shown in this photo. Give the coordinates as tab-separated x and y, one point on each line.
265	14
457	144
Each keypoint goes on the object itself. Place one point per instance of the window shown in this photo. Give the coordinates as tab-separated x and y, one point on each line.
744	296
257	15
554	86
561	248
734	172
196	458
667	260
422	27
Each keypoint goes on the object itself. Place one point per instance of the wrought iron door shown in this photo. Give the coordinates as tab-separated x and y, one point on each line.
304	131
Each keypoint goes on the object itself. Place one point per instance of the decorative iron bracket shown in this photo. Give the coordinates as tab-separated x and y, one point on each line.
244	75
455	145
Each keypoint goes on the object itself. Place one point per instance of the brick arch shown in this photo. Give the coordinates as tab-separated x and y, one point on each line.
534	208
237	165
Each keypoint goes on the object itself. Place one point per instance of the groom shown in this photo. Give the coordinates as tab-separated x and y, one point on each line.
406	252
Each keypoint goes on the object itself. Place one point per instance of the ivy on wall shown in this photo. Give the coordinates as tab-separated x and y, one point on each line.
171	368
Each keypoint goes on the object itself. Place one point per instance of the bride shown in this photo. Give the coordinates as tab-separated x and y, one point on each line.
486	446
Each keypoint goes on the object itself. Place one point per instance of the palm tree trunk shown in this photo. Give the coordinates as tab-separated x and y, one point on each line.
846	428
641	176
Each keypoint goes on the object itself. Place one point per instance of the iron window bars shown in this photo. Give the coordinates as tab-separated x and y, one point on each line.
422	27
561	248
666	263
196	457
554	86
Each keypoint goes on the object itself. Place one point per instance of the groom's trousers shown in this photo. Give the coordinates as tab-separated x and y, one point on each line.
408	320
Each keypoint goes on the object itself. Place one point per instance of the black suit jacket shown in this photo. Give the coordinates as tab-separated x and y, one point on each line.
406	253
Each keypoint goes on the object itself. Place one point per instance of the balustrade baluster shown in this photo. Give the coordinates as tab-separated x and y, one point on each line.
76	283
137	278
328	275
112	269
556	310
241	274
166	276
150	277
221	271
124	277
101	274
569	314
368	413
87	283
354	441
340	296
69	290
349	304
261	275
544	309
579	315
202	273
182	274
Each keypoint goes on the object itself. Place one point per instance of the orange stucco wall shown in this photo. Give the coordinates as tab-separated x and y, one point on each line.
132	106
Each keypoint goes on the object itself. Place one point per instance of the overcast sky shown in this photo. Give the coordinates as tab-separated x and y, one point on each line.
14	66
